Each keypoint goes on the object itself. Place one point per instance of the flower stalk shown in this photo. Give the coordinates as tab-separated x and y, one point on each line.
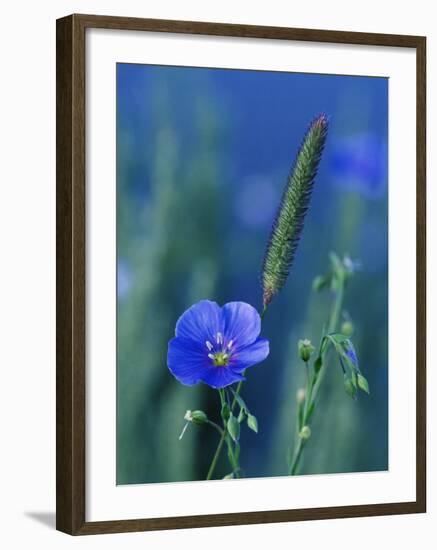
313	382
336	279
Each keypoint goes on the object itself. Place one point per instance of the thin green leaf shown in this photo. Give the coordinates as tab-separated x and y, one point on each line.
337	338
240	401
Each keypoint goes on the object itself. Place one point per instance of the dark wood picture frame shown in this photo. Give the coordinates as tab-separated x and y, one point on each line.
71	283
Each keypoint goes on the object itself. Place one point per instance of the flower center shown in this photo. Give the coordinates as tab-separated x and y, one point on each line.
220	351
220	359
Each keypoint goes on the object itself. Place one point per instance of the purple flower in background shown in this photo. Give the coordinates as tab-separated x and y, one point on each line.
215	345
359	162
124	279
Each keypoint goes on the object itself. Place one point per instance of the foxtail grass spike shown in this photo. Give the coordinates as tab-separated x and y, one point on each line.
289	220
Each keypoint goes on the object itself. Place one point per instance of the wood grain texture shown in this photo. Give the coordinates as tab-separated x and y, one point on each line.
421	274
70	276
71	280
246	31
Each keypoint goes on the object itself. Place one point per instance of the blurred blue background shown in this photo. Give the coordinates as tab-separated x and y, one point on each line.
202	159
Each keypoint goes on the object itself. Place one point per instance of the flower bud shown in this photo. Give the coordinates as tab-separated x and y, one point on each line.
347	328
300	396
349	387
305	432
305	349
196	417
362	383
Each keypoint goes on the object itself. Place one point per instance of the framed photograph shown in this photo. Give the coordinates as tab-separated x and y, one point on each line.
240	274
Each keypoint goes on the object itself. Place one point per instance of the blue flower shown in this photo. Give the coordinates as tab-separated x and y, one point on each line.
215	345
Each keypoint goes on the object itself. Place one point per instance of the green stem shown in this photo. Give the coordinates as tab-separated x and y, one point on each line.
307	373
332	327
223	433
216	456
296	457
314	382
232	459
216	426
336	309
263	312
